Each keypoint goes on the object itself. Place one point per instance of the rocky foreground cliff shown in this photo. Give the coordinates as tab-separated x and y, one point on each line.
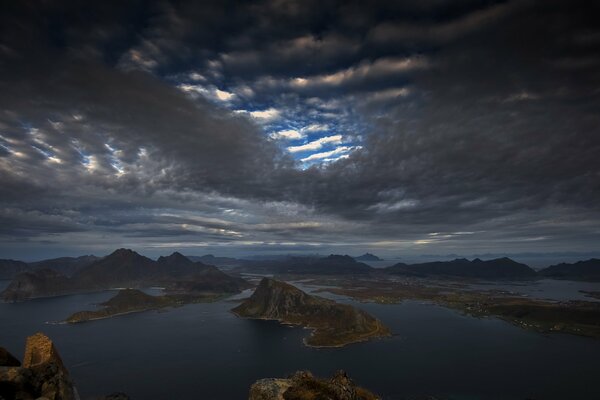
41	375
304	386
333	324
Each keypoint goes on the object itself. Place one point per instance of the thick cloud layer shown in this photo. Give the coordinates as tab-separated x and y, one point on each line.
396	127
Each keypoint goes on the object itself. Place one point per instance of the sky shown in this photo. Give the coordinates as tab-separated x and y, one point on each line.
275	126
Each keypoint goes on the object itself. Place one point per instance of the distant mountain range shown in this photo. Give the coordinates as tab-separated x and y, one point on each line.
499	268
588	270
218	261
368	257
64	265
126	268
330	265
123	268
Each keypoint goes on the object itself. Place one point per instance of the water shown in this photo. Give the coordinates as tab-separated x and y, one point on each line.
204	351
544	289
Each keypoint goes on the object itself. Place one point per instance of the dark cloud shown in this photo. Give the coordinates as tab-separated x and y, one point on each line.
469	125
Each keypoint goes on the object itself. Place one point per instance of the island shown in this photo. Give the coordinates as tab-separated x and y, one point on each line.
333	324
303	385
125	302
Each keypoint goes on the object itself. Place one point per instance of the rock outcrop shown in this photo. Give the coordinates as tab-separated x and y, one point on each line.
333	324
304	386
42	375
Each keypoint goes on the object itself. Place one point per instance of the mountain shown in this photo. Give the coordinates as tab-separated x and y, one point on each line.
368	257
64	265
333	324
125	268
588	270
304	386
499	268
178	266
10	268
330	265
218	261
34	284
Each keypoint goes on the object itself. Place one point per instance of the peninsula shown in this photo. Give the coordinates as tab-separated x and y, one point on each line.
333	324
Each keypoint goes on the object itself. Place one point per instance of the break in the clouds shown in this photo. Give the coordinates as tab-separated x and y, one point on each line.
397	127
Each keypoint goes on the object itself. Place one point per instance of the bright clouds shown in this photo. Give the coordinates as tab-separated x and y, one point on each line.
364	70
316	144
331	155
267	115
287	134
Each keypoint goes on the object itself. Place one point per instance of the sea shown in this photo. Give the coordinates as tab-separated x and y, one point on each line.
203	351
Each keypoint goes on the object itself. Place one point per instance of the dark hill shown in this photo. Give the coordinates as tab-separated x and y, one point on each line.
64	265
588	270
499	268
10	268
34	284
368	257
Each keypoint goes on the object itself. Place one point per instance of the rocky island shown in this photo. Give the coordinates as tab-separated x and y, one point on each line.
333	324
125	302
304	386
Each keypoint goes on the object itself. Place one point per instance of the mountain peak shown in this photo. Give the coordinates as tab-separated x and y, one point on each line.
368	257
174	257
123	252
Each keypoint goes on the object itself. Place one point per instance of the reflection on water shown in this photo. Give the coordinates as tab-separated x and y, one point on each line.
204	351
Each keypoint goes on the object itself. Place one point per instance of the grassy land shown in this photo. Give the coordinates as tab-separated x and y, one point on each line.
573	317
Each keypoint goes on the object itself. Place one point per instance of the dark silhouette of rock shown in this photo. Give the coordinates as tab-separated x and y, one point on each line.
588	270
64	265
499	268
7	359
10	268
368	257
42	283
304	386
116	396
